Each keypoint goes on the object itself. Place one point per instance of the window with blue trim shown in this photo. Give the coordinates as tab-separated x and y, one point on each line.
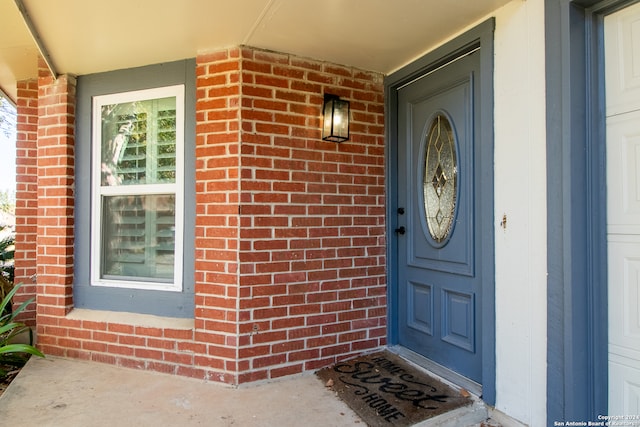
135	190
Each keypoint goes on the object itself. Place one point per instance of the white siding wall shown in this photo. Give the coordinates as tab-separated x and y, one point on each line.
520	194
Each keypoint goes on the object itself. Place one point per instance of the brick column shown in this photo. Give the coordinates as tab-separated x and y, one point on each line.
217	189
26	196
56	105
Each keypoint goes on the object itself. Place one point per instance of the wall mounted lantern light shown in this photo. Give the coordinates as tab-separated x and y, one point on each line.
336	119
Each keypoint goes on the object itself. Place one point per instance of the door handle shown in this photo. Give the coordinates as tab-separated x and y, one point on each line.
401	230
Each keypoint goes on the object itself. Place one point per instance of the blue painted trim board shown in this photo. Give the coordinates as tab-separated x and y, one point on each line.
160	303
577	308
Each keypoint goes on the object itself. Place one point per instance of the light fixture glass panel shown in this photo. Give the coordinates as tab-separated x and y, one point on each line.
341	119
336	119
327	122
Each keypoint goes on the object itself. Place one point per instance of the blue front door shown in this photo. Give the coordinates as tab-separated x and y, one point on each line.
439	241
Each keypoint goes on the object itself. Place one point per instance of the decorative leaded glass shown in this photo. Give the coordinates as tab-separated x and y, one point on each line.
440	178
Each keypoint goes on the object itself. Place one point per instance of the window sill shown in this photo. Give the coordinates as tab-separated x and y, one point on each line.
133	319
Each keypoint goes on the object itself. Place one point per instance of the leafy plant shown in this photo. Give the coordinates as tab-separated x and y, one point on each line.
13	353
8	201
7	252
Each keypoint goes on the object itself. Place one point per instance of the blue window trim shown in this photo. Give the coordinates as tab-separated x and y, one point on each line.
160	303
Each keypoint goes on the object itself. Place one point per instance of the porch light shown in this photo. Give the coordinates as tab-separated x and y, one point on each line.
336	119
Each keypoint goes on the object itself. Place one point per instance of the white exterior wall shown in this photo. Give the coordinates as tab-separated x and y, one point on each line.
520	194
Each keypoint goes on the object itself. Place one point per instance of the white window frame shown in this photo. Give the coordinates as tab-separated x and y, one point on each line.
98	190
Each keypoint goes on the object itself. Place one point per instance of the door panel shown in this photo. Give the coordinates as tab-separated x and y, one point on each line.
420	307
624	389
622	58
439	286
624	287
623	173
454	99
458	319
622	80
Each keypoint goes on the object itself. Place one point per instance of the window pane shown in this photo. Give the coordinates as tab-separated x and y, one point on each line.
138	240
440	179
139	142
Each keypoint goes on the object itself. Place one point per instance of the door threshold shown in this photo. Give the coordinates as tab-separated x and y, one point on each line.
445	374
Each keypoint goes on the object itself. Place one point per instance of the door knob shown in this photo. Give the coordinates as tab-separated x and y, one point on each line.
401	230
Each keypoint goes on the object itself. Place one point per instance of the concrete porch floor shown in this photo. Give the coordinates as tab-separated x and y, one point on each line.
58	392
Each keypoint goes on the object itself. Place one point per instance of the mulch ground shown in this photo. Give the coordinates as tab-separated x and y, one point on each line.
6	380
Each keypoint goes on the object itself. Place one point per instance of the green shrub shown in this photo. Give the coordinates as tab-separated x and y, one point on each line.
7	252
13	353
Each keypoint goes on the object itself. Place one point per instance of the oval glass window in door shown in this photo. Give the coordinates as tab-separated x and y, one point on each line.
440	184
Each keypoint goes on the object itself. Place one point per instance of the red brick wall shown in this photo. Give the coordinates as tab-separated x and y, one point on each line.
217	192
26	196
56	180
290	249
312	248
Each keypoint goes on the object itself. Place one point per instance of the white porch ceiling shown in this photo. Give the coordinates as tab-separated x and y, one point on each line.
89	36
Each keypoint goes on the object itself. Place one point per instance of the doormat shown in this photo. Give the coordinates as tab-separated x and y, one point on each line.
385	390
